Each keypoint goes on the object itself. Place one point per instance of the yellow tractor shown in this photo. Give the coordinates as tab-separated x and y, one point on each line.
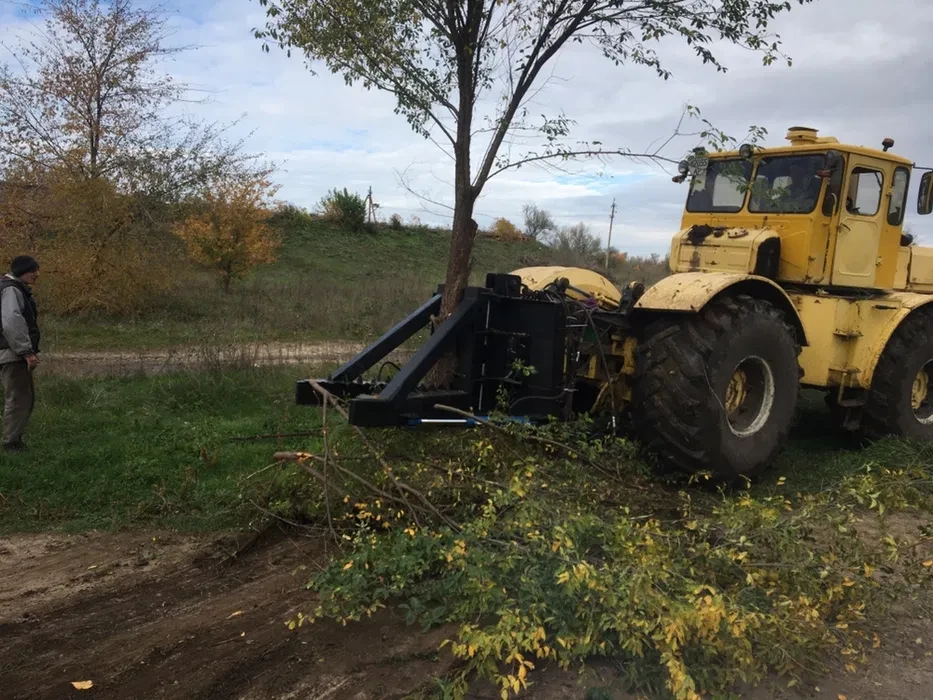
791	269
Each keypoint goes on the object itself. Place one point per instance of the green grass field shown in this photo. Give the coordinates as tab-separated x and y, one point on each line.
147	451
159	451
327	284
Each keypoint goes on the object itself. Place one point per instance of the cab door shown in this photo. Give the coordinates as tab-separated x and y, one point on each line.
861	218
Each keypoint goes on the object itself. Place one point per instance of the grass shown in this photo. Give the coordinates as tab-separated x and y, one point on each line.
147	451
157	451
326	284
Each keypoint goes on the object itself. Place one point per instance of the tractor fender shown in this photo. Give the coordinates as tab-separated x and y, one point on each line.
909	303
689	292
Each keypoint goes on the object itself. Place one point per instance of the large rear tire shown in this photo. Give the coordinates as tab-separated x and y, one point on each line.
900	401
718	390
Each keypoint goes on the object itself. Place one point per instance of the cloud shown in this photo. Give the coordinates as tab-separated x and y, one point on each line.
860	72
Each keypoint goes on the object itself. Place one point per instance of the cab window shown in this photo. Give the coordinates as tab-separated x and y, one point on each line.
787	184
896	209
864	194
721	187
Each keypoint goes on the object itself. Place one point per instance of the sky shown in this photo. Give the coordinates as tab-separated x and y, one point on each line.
861	72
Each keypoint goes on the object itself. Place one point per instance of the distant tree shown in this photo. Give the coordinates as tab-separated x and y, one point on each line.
538	222
575	245
89	124
232	235
442	58
89	97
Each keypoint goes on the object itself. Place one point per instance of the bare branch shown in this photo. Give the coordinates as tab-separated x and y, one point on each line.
566	155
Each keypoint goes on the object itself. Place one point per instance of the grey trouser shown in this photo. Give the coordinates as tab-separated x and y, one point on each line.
19	397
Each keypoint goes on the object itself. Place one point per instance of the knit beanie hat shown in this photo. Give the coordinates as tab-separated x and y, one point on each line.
22	264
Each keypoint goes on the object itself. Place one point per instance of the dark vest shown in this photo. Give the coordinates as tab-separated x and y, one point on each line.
30	312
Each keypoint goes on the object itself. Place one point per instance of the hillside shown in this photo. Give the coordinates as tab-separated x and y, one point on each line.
327	284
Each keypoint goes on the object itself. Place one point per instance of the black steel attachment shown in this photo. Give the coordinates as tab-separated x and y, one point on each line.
496	334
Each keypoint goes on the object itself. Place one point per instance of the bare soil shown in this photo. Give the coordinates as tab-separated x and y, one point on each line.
163	615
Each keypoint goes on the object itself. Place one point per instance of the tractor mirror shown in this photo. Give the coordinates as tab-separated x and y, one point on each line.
925	199
832	164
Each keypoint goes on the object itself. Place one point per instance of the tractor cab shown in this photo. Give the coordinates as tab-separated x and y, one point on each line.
812	212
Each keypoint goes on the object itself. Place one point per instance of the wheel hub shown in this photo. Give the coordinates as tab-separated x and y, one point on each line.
921	389
749	396
737	392
920	395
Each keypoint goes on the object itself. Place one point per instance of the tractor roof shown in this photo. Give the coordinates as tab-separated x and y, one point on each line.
806	140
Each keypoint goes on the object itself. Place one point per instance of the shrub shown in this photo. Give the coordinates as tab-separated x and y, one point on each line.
647	269
99	254
564	549
576	246
344	209
290	219
231	236
505	230
395	222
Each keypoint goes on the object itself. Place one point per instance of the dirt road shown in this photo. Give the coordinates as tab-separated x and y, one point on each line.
161	615
148	362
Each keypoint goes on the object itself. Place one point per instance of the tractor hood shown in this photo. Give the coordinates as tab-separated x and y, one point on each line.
705	248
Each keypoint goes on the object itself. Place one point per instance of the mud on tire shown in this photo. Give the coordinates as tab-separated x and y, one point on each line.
738	352
900	401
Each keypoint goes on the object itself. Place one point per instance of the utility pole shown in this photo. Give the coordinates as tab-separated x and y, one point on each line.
612	216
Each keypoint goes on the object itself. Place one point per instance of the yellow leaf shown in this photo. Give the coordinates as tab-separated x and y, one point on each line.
291	624
82	685
235	613
348	565
692	525
841	697
928	563
868	570
877	641
564	577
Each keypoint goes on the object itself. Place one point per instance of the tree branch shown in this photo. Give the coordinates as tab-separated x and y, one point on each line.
566	155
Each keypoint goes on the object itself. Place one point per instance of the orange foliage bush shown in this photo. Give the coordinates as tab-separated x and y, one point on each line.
231	236
95	255
505	230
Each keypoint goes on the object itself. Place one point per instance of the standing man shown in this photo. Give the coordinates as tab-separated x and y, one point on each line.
19	348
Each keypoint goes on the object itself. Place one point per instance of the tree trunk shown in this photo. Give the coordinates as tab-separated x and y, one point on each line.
463	232
461	248
459	265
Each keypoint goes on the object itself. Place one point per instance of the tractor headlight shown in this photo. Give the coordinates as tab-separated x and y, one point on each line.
746	151
683	167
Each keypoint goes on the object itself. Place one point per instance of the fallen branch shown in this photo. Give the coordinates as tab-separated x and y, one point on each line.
530	438
402	488
273	436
